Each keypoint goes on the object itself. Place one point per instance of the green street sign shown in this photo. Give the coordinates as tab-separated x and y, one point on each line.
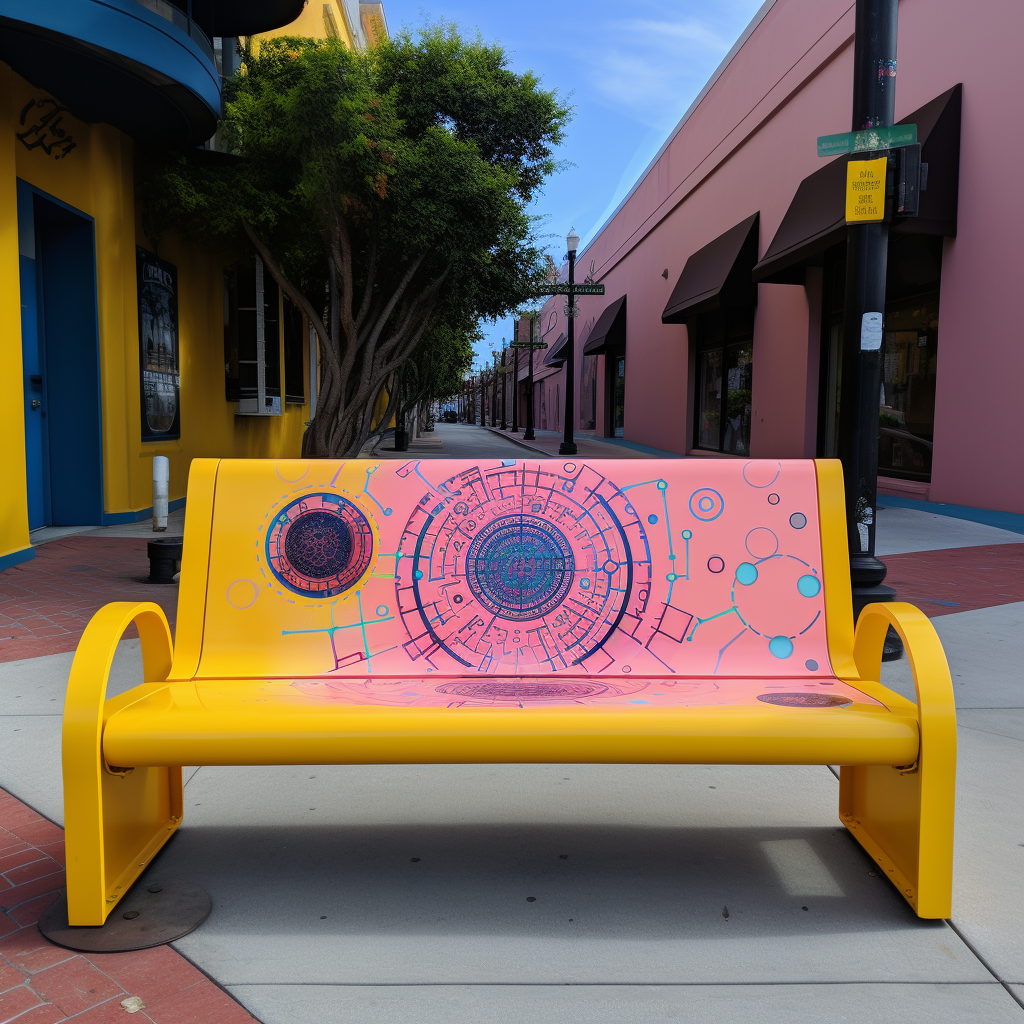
867	141
577	289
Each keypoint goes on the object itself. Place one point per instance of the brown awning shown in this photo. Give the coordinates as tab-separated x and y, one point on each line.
556	354
816	218
609	333
717	275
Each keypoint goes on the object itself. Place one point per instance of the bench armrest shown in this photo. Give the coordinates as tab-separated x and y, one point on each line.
115	820
90	670
936	710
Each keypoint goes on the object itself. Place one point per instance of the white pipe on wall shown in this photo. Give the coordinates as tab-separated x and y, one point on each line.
161	478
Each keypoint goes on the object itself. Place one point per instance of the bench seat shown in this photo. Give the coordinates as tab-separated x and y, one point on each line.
710	721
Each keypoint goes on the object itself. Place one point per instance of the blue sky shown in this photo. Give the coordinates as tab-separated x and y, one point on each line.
630	69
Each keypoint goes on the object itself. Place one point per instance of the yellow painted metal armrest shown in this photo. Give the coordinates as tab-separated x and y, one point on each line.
904	818
104	855
936	710
87	684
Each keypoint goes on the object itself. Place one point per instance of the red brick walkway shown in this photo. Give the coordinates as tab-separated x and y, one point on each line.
958	579
46	603
41	983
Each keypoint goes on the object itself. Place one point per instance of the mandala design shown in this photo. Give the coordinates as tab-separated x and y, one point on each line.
520	569
319	545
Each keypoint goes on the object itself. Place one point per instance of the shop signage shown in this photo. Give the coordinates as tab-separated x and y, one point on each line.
865	190
42	120
576	289
867	141
158	347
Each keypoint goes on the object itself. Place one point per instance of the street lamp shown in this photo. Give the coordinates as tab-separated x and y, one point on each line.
568	446
515	380
867	247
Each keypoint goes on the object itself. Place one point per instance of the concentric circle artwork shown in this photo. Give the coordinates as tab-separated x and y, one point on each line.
319	545
522	568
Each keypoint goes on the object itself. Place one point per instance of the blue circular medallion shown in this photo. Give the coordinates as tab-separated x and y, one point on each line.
520	567
319	545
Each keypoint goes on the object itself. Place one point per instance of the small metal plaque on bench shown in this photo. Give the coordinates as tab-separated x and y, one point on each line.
805	700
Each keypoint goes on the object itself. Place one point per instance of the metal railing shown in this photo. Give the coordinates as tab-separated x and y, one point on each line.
181	20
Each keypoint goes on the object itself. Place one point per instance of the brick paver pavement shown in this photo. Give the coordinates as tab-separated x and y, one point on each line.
958	579
46	603
41	983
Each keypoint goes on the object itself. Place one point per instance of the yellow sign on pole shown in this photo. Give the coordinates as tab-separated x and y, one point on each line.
865	190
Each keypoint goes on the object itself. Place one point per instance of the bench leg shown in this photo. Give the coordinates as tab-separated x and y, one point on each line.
903	816
115	819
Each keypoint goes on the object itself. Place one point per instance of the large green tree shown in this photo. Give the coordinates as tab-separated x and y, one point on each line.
386	192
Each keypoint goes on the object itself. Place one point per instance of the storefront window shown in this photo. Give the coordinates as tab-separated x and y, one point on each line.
619	398
906	413
906	416
724	381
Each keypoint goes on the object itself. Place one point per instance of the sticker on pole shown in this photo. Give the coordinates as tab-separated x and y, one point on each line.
865	190
871	332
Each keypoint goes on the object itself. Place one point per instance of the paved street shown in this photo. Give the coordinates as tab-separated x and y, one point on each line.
586	893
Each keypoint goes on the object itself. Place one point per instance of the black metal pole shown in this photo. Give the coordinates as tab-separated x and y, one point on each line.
568	446
529	435
504	388
515	384
874	94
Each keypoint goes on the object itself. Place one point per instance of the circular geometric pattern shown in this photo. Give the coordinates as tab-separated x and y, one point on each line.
798	520
762	473
746	573
319	545
773	499
761	595
706	504
805	700
809	586
716	564
519	567
761	542
811	665
516	689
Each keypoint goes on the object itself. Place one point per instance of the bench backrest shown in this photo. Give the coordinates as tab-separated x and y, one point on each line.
604	569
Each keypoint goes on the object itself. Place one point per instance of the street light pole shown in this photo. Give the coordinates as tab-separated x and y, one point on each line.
504	389
568	446
874	95
515	382
529	435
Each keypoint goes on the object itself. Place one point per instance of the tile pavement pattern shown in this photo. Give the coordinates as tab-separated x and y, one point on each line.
958	579
46	603
41	983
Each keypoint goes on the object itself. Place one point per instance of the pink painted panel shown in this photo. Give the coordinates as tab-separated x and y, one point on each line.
608	569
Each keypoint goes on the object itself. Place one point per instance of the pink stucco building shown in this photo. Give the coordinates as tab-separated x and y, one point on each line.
720	328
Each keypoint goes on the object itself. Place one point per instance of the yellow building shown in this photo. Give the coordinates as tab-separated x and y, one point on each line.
355	24
114	349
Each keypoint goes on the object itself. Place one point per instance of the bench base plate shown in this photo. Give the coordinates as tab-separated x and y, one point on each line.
149	915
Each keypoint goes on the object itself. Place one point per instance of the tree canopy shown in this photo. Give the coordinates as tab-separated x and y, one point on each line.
385	190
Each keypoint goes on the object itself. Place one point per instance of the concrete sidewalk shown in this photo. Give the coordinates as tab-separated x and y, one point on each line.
591	893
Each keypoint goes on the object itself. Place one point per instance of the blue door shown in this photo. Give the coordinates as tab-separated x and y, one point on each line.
32	364
60	354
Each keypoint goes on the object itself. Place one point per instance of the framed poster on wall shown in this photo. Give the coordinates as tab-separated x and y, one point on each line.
158	347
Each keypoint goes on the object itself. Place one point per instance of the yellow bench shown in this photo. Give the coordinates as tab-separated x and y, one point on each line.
520	611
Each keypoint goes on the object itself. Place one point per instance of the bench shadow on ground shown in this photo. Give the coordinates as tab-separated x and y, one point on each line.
601	881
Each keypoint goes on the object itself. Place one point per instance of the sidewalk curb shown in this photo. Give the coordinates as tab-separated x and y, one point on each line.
522	444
